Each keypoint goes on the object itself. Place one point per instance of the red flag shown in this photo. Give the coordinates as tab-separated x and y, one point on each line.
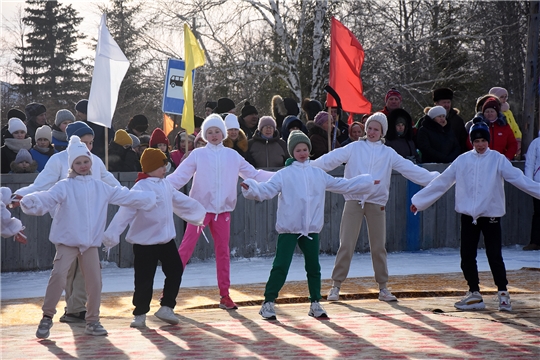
346	60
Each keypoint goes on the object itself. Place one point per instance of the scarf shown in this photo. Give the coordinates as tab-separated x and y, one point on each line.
17	144
59	135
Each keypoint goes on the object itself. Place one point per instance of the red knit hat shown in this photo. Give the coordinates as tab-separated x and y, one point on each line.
158	137
392	92
491	103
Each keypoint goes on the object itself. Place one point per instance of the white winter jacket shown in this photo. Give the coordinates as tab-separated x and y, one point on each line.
532	161
155	226
10	225
57	169
376	159
82	208
215	170
479	180
301	188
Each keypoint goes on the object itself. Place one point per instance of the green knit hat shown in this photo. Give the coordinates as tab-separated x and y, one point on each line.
296	137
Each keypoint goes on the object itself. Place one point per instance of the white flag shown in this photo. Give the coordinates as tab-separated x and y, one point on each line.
110	67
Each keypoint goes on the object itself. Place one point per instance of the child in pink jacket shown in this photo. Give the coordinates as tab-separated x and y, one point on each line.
215	170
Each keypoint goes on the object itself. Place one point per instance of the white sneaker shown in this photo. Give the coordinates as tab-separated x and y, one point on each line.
386	295
471	301
504	301
267	311
138	321
333	294
316	310
166	314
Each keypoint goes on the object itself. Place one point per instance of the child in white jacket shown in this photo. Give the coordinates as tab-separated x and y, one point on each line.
479	176
10	225
77	230
56	169
532	171
215	170
152	234
368	155
300	217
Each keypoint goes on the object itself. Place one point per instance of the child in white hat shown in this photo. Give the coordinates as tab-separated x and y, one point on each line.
368	155
18	140
215	170
77	230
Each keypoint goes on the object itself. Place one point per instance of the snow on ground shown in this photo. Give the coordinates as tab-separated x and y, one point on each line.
256	270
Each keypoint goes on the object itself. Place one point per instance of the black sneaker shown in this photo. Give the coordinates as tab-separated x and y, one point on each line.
73	318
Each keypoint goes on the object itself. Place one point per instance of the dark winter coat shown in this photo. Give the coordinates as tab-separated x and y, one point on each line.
457	124
436	143
247	131
9	151
264	153
240	145
402	144
123	160
319	140
99	139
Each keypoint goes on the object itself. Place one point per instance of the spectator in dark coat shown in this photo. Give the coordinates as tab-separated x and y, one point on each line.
283	107
435	139
248	119
36	116
399	135
291	123
318	134
266	149
121	155
18	140
81	110
137	125
311	108
443	97
12	113
356	131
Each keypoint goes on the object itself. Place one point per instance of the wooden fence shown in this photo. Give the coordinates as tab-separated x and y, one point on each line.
253	225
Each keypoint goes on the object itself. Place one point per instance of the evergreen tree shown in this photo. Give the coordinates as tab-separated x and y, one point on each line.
48	68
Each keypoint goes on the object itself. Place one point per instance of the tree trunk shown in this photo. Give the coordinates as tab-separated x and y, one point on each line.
531	76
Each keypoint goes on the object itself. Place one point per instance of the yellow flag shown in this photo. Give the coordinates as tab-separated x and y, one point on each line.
194	57
168	124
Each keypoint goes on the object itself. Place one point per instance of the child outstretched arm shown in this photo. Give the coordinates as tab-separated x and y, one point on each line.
10	226
300	217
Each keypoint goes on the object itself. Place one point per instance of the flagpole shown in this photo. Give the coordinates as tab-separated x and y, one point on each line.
329	130
106	148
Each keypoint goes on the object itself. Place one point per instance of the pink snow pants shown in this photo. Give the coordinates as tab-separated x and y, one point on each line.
220	227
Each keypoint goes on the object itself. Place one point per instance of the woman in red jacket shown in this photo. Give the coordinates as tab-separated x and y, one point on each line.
502	136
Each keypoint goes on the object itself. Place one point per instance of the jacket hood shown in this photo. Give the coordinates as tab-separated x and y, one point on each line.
391	134
286	124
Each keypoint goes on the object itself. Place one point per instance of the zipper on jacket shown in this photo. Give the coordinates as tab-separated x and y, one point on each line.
267	159
218	185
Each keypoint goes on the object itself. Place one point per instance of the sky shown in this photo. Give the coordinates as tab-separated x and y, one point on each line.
256	270
88	10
